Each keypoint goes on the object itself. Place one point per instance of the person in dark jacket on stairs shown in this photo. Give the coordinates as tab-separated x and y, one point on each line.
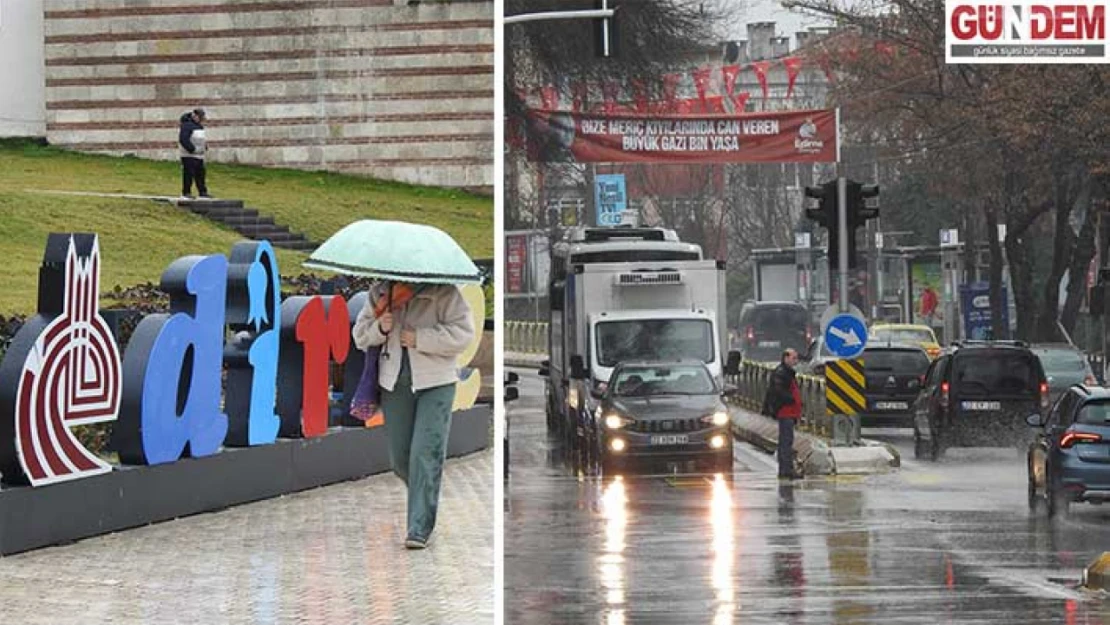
784	402
193	145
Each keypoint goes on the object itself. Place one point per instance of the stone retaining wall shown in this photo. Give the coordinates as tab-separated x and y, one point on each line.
367	86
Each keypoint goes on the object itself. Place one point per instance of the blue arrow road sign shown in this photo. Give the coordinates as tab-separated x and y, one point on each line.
846	336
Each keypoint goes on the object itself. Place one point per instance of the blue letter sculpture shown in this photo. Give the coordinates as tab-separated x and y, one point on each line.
172	386
254	314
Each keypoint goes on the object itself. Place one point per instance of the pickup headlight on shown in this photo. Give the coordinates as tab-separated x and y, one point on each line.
717	418
616	422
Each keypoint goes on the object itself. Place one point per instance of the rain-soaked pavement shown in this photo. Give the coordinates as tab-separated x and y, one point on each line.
328	556
947	542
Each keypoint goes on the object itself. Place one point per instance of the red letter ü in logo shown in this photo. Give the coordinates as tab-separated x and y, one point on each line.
70	373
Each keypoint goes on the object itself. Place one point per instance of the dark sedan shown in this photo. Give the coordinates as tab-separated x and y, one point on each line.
1064	365
664	411
894	377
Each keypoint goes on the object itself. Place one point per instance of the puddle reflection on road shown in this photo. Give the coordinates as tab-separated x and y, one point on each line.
720	507
614	510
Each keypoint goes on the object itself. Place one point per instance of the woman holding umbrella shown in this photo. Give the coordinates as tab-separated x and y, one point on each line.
421	323
422	331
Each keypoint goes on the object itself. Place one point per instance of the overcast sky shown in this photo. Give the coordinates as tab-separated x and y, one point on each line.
786	22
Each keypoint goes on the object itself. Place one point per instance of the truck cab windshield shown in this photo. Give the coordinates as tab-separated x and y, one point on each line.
654	339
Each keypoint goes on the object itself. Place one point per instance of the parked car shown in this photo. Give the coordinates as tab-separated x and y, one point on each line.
1064	365
908	334
978	394
664	411
814	359
894	375
767	328
1069	460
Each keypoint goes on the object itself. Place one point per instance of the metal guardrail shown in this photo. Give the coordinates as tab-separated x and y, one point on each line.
751	387
526	337
530	337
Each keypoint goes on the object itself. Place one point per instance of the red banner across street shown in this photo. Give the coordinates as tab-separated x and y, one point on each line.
770	137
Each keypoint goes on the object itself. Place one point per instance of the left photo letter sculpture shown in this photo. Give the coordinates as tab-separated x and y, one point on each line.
62	369
180	390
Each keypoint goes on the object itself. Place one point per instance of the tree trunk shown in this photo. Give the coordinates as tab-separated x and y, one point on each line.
1021	277
970	236
1021	265
1082	254
999	330
1062	241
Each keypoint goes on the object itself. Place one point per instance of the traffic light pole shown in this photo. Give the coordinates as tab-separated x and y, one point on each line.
843	234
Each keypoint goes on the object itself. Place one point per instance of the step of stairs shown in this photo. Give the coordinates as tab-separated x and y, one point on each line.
282	237
260	229
249	223
204	206
220	213
246	220
302	245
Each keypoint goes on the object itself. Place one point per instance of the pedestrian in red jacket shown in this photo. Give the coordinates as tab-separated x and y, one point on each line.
784	402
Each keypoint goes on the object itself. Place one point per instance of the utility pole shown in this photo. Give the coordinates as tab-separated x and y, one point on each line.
878	308
877	243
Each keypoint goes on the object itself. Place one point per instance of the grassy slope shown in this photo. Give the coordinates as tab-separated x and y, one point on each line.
317	204
139	239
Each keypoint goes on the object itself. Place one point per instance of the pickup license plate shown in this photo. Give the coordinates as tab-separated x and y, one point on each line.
891	405
670	439
982	405
770	343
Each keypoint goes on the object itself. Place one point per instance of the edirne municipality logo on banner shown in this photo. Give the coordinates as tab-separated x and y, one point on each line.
1026	31
807	141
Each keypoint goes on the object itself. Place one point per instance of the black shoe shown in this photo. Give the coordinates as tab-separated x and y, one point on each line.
416	542
205	196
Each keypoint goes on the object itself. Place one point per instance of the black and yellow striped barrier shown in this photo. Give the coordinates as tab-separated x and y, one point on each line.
844	387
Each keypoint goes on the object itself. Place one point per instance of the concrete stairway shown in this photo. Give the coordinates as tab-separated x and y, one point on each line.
247	222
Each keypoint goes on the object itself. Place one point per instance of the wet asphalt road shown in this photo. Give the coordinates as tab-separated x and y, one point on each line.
946	542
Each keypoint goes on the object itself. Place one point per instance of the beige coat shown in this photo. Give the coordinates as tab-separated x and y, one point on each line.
444	328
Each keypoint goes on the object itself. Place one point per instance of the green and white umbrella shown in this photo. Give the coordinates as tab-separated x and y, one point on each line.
395	250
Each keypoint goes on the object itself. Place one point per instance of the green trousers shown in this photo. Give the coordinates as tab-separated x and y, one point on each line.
417	424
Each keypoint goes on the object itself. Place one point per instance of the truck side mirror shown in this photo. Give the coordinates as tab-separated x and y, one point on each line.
732	367
512	393
578	368
514	377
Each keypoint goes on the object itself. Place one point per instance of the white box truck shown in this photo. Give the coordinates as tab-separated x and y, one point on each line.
627	295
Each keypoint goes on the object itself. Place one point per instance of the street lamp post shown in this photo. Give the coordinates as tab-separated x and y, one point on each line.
586	14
